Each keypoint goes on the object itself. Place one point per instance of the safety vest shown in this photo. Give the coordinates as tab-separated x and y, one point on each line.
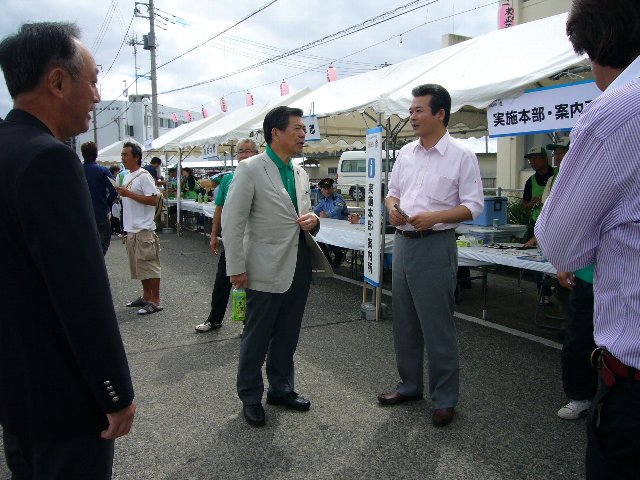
537	190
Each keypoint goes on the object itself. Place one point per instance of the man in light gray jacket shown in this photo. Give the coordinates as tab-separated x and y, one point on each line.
267	224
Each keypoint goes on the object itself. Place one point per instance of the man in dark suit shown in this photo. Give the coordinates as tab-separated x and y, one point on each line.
65	387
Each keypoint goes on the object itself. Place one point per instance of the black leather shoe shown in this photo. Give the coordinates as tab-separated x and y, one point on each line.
254	415
291	400
395	398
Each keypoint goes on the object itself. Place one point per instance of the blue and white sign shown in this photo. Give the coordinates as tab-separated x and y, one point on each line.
372	208
542	110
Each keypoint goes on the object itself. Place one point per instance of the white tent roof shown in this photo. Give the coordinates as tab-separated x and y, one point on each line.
499	64
325	146
236	124
172	138
111	153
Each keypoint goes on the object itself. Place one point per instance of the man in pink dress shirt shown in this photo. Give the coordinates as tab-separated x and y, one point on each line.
593	216
436	183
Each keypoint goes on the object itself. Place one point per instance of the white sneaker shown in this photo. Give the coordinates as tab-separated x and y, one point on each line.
204	327
574	409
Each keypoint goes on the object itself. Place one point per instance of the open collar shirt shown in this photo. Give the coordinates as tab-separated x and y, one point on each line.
435	179
287	175
591	216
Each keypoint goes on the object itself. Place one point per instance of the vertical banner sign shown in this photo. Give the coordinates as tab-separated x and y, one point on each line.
210	152
372	208
313	128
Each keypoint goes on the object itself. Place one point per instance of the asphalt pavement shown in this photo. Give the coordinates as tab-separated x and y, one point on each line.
189	424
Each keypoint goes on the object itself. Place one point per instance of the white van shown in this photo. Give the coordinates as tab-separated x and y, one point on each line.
352	172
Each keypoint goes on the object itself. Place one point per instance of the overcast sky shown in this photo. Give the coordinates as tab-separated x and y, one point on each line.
280	27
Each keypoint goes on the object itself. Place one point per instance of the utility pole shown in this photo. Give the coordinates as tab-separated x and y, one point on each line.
154	87
149	43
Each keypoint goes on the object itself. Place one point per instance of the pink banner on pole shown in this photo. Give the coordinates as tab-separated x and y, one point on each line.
223	104
189	117
284	89
205	113
174	117
249	99
332	74
506	15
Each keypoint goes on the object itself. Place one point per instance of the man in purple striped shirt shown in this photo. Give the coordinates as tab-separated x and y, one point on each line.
603	165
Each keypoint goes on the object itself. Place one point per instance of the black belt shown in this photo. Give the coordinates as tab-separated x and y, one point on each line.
419	234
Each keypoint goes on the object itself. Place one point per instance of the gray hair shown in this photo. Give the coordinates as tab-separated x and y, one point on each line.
248	140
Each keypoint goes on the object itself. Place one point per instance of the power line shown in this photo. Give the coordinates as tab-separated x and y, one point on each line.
220	33
104	27
329	38
119	49
319	67
257	44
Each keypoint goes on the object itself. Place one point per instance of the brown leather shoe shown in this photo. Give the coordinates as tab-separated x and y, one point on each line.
394	398
442	416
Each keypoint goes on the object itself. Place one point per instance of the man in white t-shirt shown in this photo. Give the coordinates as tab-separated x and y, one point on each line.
139	198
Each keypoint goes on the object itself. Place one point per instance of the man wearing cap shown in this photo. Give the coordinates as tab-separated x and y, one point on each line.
331	205
534	187
579	379
532	200
558	150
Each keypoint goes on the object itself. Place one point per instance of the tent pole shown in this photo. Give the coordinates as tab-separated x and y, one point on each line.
165	193
178	191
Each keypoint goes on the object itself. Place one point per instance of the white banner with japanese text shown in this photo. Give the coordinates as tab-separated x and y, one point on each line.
313	128
210	152
372	208
548	109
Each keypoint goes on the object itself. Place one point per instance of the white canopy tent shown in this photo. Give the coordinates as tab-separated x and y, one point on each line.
237	124
171	139
499	64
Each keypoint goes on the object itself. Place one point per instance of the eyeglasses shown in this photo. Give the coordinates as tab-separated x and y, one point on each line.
246	151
